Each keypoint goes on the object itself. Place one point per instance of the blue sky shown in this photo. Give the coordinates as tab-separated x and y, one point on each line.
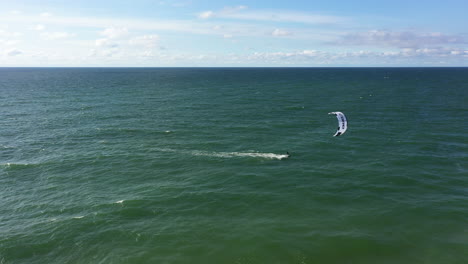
174	33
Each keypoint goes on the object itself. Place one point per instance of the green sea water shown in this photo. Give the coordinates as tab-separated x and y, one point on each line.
187	165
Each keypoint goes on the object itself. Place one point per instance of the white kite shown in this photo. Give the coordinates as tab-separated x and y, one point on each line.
342	123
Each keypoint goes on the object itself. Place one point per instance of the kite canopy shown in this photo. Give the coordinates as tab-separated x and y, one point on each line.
342	123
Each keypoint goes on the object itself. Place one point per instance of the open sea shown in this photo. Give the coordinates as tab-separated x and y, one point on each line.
188	165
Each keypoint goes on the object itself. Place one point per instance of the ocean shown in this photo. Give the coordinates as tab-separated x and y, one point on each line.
189	165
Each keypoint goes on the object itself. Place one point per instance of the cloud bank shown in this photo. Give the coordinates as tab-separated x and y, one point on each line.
230	36
404	39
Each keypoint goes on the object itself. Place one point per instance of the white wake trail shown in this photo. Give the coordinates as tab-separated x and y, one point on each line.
242	154
250	154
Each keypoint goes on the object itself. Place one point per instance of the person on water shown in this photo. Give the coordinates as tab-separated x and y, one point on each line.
287	154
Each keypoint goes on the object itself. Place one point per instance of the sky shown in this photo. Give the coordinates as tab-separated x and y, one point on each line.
230	33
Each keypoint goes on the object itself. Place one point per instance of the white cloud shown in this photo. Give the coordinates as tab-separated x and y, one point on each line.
148	53
146	41
93	53
295	17
310	52
355	58
110	52
8	42
226	12
106	43
105	51
433	52
206	15
280	33
405	39
242	13
117	28
175	3
57	35
9	34
45	14
39	27
114	39
14	52
115	32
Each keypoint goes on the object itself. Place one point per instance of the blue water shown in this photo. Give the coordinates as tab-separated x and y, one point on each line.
188	165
